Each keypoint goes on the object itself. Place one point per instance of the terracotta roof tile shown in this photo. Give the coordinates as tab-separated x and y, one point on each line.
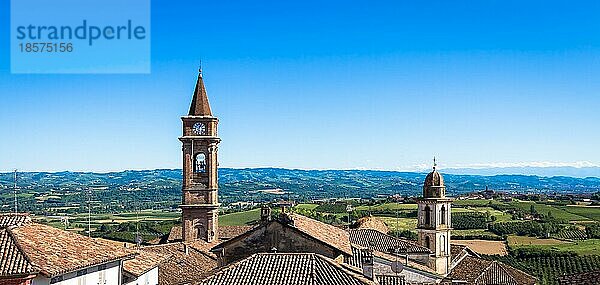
390	279
56	251
475	270
12	260
370	222
285	268
143	262
180	267
381	242
328	234
7	220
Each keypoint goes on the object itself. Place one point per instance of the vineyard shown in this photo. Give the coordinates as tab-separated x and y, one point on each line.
469	221
548	268
525	228
572	235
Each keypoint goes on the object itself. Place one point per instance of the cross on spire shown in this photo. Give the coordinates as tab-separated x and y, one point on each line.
434	163
200	69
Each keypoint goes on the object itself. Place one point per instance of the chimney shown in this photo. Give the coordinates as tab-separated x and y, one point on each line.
265	214
367	263
186	249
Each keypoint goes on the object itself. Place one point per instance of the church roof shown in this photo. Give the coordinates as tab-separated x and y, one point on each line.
378	241
434	178
286	268
475	270
200	105
333	236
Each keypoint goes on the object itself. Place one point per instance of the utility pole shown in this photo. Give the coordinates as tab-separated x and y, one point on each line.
15	192
89	212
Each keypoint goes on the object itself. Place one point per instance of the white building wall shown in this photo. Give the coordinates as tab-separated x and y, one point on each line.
95	275
148	278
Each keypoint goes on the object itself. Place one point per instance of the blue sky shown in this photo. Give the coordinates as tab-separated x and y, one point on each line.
341	84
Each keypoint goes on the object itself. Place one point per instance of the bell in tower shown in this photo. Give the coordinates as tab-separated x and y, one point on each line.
200	186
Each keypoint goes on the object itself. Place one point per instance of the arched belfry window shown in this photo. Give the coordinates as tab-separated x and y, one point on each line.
200	229
443	244
443	213
427	215
200	163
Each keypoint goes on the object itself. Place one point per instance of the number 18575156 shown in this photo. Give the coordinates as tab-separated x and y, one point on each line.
46	47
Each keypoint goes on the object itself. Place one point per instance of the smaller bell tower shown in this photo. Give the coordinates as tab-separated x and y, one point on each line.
200	205
433	221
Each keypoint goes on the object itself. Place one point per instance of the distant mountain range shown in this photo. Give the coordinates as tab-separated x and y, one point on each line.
579	172
162	188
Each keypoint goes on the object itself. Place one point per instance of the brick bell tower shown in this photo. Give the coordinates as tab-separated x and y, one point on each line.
200	205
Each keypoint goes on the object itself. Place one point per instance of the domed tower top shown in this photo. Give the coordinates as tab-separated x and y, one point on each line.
434	184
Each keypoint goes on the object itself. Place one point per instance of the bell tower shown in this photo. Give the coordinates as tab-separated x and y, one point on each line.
433	221
200	206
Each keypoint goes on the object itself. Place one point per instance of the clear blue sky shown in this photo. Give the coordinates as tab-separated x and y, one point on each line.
342	84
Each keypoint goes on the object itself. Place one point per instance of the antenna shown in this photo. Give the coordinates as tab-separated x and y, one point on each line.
15	192
89	212
138	239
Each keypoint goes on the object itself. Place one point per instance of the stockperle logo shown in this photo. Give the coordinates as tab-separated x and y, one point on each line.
80	36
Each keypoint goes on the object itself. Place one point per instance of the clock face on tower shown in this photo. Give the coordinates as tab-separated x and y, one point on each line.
199	129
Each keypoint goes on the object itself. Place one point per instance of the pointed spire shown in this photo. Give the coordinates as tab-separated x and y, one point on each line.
200	105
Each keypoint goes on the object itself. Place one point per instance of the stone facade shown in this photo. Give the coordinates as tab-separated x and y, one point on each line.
434	222
284	236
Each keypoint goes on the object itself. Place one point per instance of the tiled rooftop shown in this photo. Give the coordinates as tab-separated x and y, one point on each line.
285	268
7	220
13	261
381	242
183	263
56	251
475	270
326	233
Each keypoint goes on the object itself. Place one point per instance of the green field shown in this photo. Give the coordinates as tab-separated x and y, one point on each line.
387	207
475	203
240	218
557	211
592	213
400	223
306	206
500	216
584	247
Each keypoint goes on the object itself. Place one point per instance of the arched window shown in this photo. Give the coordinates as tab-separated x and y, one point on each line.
200	230
443	244
427	241
443	213
200	163
427	215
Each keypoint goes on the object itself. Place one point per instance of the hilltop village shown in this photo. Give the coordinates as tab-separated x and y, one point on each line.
283	247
